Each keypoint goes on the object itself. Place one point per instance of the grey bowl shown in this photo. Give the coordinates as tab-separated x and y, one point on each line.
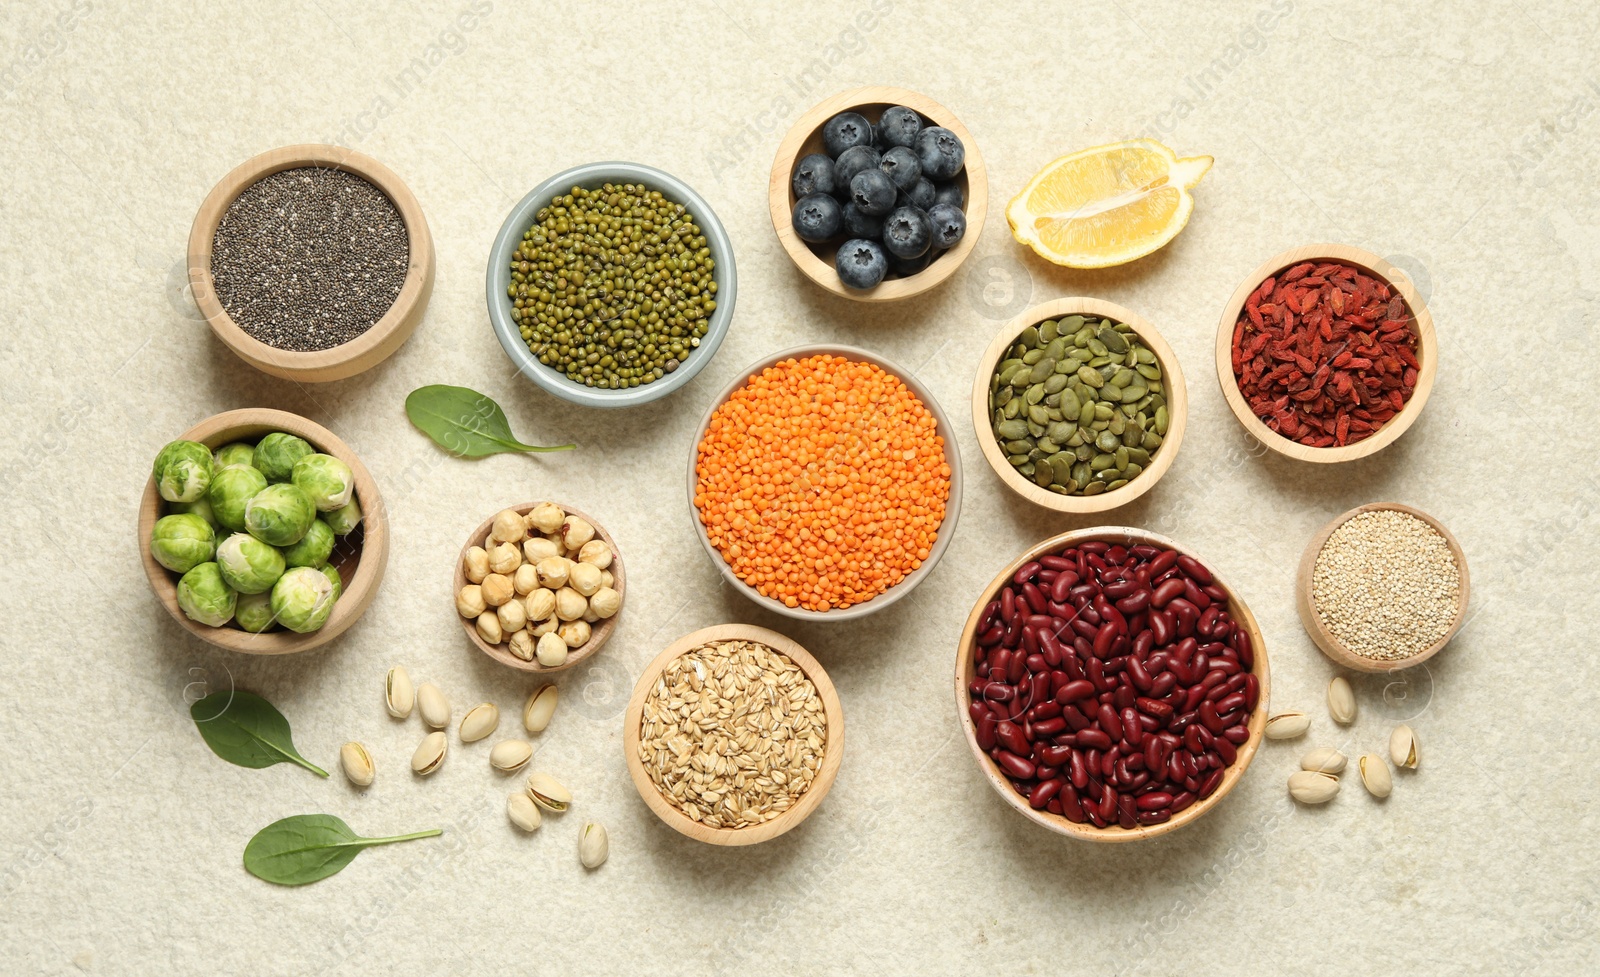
521	218
952	508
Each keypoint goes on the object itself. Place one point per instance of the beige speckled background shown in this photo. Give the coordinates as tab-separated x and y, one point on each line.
1456	139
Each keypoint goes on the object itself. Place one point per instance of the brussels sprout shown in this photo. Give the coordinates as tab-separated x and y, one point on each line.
343	521
248	565
182	541
302	599
313	549
183	471
199	507
254	612
230	489
332	573
276	454
326	479
204	597
237	453
279	514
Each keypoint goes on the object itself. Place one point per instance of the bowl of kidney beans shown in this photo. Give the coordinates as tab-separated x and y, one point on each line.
1111	687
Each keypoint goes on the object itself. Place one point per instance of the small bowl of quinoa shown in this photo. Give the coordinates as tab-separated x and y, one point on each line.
824	482
1382	587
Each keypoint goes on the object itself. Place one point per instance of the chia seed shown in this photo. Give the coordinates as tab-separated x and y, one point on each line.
309	258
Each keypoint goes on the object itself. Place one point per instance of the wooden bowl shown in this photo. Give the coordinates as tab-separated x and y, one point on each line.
1331	645
966	669
599	631
1171	376
805	138
809	801
360	557
952	508
347	359
1427	353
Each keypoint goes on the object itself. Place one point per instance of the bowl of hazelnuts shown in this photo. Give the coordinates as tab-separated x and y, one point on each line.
539	586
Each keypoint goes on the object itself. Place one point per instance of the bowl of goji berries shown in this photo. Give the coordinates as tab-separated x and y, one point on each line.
1326	353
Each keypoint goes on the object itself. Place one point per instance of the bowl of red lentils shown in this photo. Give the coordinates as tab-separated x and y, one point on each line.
1326	353
824	482
1111	686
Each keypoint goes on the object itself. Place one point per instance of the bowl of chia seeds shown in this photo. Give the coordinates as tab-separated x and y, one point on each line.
311	262
611	284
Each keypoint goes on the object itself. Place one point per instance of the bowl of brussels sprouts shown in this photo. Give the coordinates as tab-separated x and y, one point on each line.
262	532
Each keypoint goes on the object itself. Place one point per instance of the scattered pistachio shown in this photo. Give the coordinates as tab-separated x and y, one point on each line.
593	846
1341	701
1287	725
477	562
595	553
1313	787
605	603
575	633
522	811
430	753
434	706
1375	775
357	764
540	707
508	527
470	602
1324	759
510	755
551	650
479	722
489	628
546	517
398	695
548	793
497	589
504	558
1403	747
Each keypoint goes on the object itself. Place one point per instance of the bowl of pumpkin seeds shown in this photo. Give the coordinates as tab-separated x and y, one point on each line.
1079	405
611	284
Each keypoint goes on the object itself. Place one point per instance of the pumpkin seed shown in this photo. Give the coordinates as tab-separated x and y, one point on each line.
1049	330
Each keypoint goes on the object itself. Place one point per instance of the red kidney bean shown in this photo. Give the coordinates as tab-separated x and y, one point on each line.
1042	793
1209	716
1035	597
1010	737
1237	735
1192	568
1016	667
1048	709
1093	737
1013	764
1252	693
1008	604
1132	730
1027	570
1057	563
1165	592
1226	750
1053	755
1209	785
1208	620
1077	770
1154	817
1162	562
1036	663
991	636
998	692
1242	645
1186	615
1074	690
1215	592
984	732
1123	697
1155	800
1075	719
1182	800
1109	723
1195	596
1162	684
1134	602
1121	588
1231	703
1049	727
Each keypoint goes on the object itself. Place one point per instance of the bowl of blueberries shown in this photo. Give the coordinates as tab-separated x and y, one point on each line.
878	194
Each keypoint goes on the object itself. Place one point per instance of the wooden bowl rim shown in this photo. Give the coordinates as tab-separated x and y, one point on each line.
833	754
599	632
1171	373
1112	834
1427	352
1326	641
952	507
359	590
781	199
366	350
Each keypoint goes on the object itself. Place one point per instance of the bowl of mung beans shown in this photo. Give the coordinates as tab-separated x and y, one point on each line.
611	284
1059	363
1382	587
824	482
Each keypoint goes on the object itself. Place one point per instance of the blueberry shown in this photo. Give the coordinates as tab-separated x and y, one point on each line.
861	263
813	175
850	162
949	225
858	224
902	166
898	126
872	191
948	193
845	130
907	233
817	217
906	267
922	194
940	152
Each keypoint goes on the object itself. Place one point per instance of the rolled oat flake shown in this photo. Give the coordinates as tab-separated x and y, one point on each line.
309	258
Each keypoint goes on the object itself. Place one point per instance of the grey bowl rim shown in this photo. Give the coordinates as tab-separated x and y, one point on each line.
498	278
952	510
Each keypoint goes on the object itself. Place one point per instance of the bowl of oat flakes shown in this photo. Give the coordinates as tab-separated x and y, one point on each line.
733	735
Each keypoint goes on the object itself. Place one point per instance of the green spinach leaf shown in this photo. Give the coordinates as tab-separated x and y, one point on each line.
308	847
243	728
465	423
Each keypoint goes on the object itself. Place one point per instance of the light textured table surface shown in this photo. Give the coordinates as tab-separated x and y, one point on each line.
1457	142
